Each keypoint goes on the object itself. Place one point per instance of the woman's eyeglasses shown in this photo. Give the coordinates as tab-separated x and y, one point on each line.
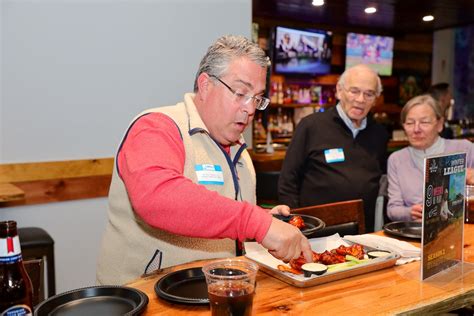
422	124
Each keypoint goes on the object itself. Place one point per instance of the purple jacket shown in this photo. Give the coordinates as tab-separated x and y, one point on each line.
405	180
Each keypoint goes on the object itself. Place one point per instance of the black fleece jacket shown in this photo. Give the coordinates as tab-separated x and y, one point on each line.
307	179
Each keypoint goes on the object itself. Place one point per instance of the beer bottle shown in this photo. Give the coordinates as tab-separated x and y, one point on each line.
16	291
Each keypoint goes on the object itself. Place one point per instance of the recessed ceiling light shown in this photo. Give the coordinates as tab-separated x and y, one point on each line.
370	10
428	18
318	3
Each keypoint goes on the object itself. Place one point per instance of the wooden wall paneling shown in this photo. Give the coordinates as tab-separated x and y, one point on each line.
56	190
19	172
45	182
9	192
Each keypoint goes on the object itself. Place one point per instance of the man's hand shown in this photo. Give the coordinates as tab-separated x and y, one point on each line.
286	242
281	210
417	212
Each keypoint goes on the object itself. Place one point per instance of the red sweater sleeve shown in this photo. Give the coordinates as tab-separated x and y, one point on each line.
151	164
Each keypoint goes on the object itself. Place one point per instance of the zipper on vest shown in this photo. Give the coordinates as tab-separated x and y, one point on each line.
231	164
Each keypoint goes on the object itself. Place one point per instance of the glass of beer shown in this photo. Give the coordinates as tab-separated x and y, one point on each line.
231	286
469	204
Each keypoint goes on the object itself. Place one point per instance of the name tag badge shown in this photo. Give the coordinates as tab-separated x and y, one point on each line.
209	174
334	155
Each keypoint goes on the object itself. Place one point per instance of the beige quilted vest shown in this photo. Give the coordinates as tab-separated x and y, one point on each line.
129	244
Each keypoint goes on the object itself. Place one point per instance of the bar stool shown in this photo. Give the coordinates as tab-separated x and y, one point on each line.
36	243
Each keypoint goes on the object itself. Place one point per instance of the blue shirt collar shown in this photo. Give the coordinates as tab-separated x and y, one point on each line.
355	130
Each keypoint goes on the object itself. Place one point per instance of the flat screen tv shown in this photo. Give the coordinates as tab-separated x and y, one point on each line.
302	51
373	50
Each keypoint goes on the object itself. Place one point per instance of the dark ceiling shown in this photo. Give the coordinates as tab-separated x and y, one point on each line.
392	16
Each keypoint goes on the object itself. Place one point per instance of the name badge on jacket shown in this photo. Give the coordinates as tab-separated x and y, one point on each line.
334	155
209	174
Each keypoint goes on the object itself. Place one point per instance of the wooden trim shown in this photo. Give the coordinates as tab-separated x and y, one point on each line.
9	192
20	172
47	191
46	182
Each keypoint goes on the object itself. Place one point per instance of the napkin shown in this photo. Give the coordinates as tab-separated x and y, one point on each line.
407	251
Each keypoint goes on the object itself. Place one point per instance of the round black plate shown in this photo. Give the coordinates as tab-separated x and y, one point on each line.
186	286
312	223
404	229
95	300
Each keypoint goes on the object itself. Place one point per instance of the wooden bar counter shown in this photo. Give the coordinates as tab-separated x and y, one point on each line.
397	290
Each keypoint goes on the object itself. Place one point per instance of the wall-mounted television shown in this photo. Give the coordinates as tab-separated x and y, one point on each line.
298	51
373	50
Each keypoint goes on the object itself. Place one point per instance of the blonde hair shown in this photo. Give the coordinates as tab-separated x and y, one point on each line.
418	100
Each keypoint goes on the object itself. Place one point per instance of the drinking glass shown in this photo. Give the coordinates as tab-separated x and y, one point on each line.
469	204
231	286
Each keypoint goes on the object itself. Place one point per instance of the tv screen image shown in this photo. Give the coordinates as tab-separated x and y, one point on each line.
302	51
373	50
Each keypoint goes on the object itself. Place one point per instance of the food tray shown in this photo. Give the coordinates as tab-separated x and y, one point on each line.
269	264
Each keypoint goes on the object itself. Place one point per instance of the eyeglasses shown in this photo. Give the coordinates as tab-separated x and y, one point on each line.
369	95
259	102
409	125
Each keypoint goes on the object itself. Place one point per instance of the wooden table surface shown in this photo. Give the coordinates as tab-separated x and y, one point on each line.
396	290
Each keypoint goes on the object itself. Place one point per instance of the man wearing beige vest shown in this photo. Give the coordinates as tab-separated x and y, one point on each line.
183	186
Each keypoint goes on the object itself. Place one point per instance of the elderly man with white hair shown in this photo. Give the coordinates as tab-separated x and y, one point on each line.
339	154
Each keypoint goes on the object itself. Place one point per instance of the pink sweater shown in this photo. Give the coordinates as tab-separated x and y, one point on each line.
151	164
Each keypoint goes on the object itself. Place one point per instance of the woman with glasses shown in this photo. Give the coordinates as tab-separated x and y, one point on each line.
422	120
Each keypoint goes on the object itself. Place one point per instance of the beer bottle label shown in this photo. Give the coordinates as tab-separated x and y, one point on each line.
10	250
17	310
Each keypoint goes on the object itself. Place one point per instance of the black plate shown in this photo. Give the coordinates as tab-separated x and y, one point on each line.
404	229
312	223
186	286
95	300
